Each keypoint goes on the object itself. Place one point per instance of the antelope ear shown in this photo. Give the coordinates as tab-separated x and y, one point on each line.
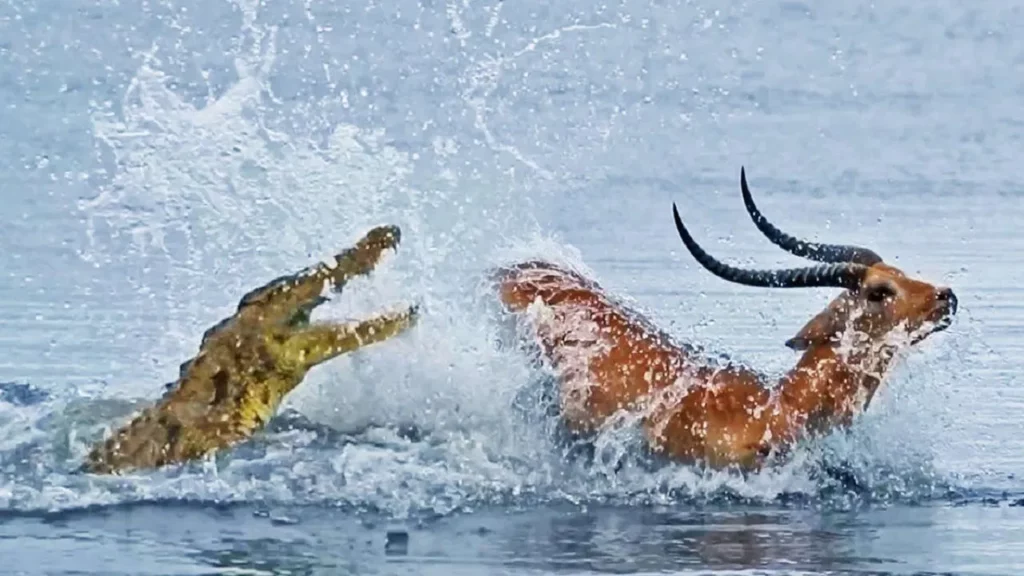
824	327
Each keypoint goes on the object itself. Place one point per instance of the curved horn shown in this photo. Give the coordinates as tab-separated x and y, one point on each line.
845	275
811	250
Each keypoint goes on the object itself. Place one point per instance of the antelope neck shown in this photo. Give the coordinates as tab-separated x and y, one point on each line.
829	386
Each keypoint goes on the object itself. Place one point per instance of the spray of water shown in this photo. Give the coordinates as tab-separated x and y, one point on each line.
212	201
216	202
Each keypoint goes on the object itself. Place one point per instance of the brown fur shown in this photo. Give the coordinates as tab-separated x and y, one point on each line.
248	362
610	358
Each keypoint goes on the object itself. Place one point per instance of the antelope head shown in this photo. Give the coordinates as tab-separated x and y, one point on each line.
880	310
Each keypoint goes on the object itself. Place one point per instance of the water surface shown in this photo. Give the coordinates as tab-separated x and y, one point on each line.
158	160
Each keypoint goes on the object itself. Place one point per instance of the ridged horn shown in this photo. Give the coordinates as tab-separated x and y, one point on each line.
802	248
845	275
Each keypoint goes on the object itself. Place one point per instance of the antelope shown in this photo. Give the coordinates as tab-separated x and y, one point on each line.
248	362
608	359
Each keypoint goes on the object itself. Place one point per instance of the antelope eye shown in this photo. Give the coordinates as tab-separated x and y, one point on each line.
879	293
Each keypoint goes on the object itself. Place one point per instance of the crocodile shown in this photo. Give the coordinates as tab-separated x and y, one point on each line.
248	362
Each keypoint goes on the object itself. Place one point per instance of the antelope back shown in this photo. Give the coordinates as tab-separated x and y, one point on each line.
606	356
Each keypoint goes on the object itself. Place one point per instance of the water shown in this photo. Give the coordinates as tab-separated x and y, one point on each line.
159	159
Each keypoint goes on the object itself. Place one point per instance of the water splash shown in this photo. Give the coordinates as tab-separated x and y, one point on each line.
208	201
215	201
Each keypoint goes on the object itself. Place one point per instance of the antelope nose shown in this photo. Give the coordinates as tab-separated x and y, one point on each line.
947	295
